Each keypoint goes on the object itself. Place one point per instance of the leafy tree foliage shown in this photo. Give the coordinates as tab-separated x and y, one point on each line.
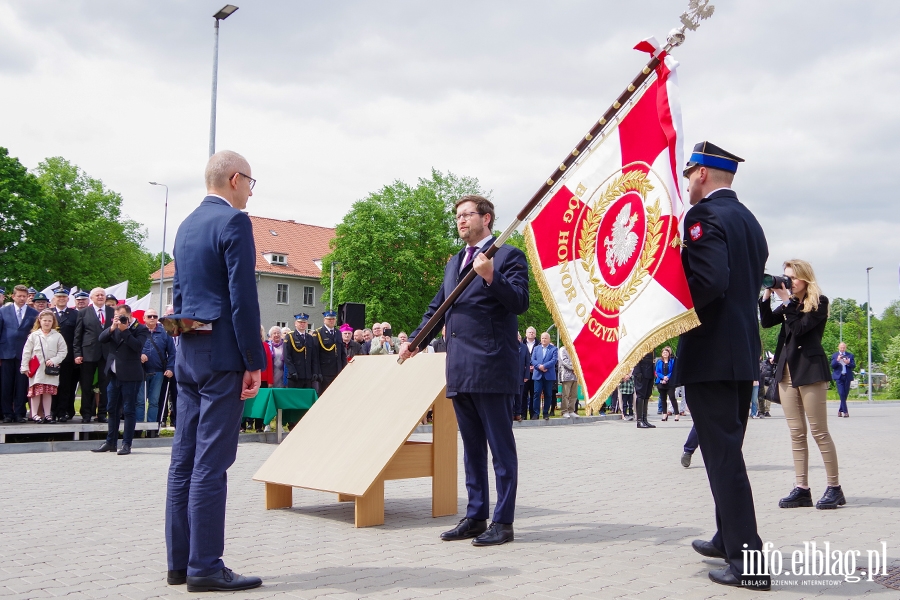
537	315
62	225
391	248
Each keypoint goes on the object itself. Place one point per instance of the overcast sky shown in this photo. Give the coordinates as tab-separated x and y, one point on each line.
332	100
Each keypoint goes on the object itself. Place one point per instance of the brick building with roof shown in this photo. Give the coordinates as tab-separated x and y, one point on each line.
288	271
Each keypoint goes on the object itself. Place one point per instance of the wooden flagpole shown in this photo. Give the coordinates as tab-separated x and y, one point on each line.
698	10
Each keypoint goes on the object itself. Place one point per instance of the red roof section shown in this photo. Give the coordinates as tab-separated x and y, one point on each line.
302	245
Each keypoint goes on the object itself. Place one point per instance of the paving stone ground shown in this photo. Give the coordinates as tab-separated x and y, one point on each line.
604	511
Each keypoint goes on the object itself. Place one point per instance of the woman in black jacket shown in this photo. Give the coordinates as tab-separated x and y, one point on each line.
803	373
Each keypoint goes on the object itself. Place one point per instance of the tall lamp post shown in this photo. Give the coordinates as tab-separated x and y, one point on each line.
869	327
223	14
162	258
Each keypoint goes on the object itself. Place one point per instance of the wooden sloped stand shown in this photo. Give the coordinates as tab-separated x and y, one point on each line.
355	437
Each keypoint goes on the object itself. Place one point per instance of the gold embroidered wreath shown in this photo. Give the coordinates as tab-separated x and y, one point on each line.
608	298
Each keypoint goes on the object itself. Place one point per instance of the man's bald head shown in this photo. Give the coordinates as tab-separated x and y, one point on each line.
227	175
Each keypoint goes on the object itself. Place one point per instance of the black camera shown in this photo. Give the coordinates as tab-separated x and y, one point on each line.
123	320
387	331
777	282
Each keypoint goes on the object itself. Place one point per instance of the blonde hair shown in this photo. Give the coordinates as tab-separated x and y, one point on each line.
804	272
37	321
669	348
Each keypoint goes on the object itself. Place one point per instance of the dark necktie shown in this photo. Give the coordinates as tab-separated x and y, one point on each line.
101	316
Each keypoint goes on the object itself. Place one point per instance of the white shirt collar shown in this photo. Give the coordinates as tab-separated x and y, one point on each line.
220	198
482	242
718	190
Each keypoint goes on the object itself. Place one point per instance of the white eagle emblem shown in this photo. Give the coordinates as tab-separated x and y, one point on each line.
624	241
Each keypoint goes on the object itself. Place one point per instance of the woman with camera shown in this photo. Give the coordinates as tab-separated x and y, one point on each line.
802	374
48	345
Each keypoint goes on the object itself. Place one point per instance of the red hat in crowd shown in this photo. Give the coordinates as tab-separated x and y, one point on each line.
346	327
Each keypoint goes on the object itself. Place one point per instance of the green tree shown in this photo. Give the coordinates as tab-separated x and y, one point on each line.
87	239
390	249
21	241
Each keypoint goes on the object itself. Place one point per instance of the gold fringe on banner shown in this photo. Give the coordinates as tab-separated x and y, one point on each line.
675	326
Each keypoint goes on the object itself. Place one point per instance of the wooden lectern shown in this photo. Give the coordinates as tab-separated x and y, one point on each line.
355	437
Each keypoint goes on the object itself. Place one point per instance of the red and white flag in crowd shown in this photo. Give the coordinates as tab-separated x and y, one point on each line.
606	248
139	306
120	290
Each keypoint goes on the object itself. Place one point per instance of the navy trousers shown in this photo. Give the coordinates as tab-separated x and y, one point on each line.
13	388
121	395
843	389
486	420
691	444
547	389
524	405
209	420
720	410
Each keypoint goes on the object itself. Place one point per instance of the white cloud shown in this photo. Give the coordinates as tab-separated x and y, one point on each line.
330	101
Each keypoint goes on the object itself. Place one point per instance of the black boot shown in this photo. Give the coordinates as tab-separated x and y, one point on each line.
647	424
798	498
833	498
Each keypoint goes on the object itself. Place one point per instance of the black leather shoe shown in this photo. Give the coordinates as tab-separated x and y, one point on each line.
101	419
496	534
7	419
686	459
833	498
85	419
724	576
105	448
707	549
797	498
649	425
640	425
225	580
178	577
126	449
467	528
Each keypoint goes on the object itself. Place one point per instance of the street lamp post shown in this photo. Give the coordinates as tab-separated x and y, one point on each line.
869	327
162	258
223	14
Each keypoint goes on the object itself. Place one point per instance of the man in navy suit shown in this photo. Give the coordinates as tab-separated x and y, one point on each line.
483	369
16	321
544	358
724	257
842	365
216	313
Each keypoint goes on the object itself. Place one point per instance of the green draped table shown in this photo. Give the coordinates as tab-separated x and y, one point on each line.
285	403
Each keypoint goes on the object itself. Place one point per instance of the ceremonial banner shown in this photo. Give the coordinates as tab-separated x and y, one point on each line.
606	248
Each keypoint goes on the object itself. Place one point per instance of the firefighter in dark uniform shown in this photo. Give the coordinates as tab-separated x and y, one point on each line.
330	347
301	364
64	400
724	257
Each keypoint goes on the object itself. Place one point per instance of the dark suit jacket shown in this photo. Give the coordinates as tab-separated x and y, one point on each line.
215	282
547	357
482	329
724	257
837	367
67	320
125	349
799	341
525	360
13	334
87	331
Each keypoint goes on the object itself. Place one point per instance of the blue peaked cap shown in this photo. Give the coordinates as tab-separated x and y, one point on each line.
710	155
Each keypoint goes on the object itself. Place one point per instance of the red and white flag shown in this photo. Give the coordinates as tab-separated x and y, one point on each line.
606	248
139	306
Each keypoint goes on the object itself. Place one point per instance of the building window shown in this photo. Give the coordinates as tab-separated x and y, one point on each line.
309	293
169	299
279	259
281	295
281	324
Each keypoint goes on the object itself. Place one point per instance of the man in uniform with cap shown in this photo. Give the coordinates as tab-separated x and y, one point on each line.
2	296
82	299
300	357
330	349
31	294
724	257
64	400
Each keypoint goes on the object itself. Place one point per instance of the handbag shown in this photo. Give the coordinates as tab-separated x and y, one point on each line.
772	394
48	370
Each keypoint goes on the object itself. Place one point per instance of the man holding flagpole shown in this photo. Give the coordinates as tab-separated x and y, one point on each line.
483	368
724	257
